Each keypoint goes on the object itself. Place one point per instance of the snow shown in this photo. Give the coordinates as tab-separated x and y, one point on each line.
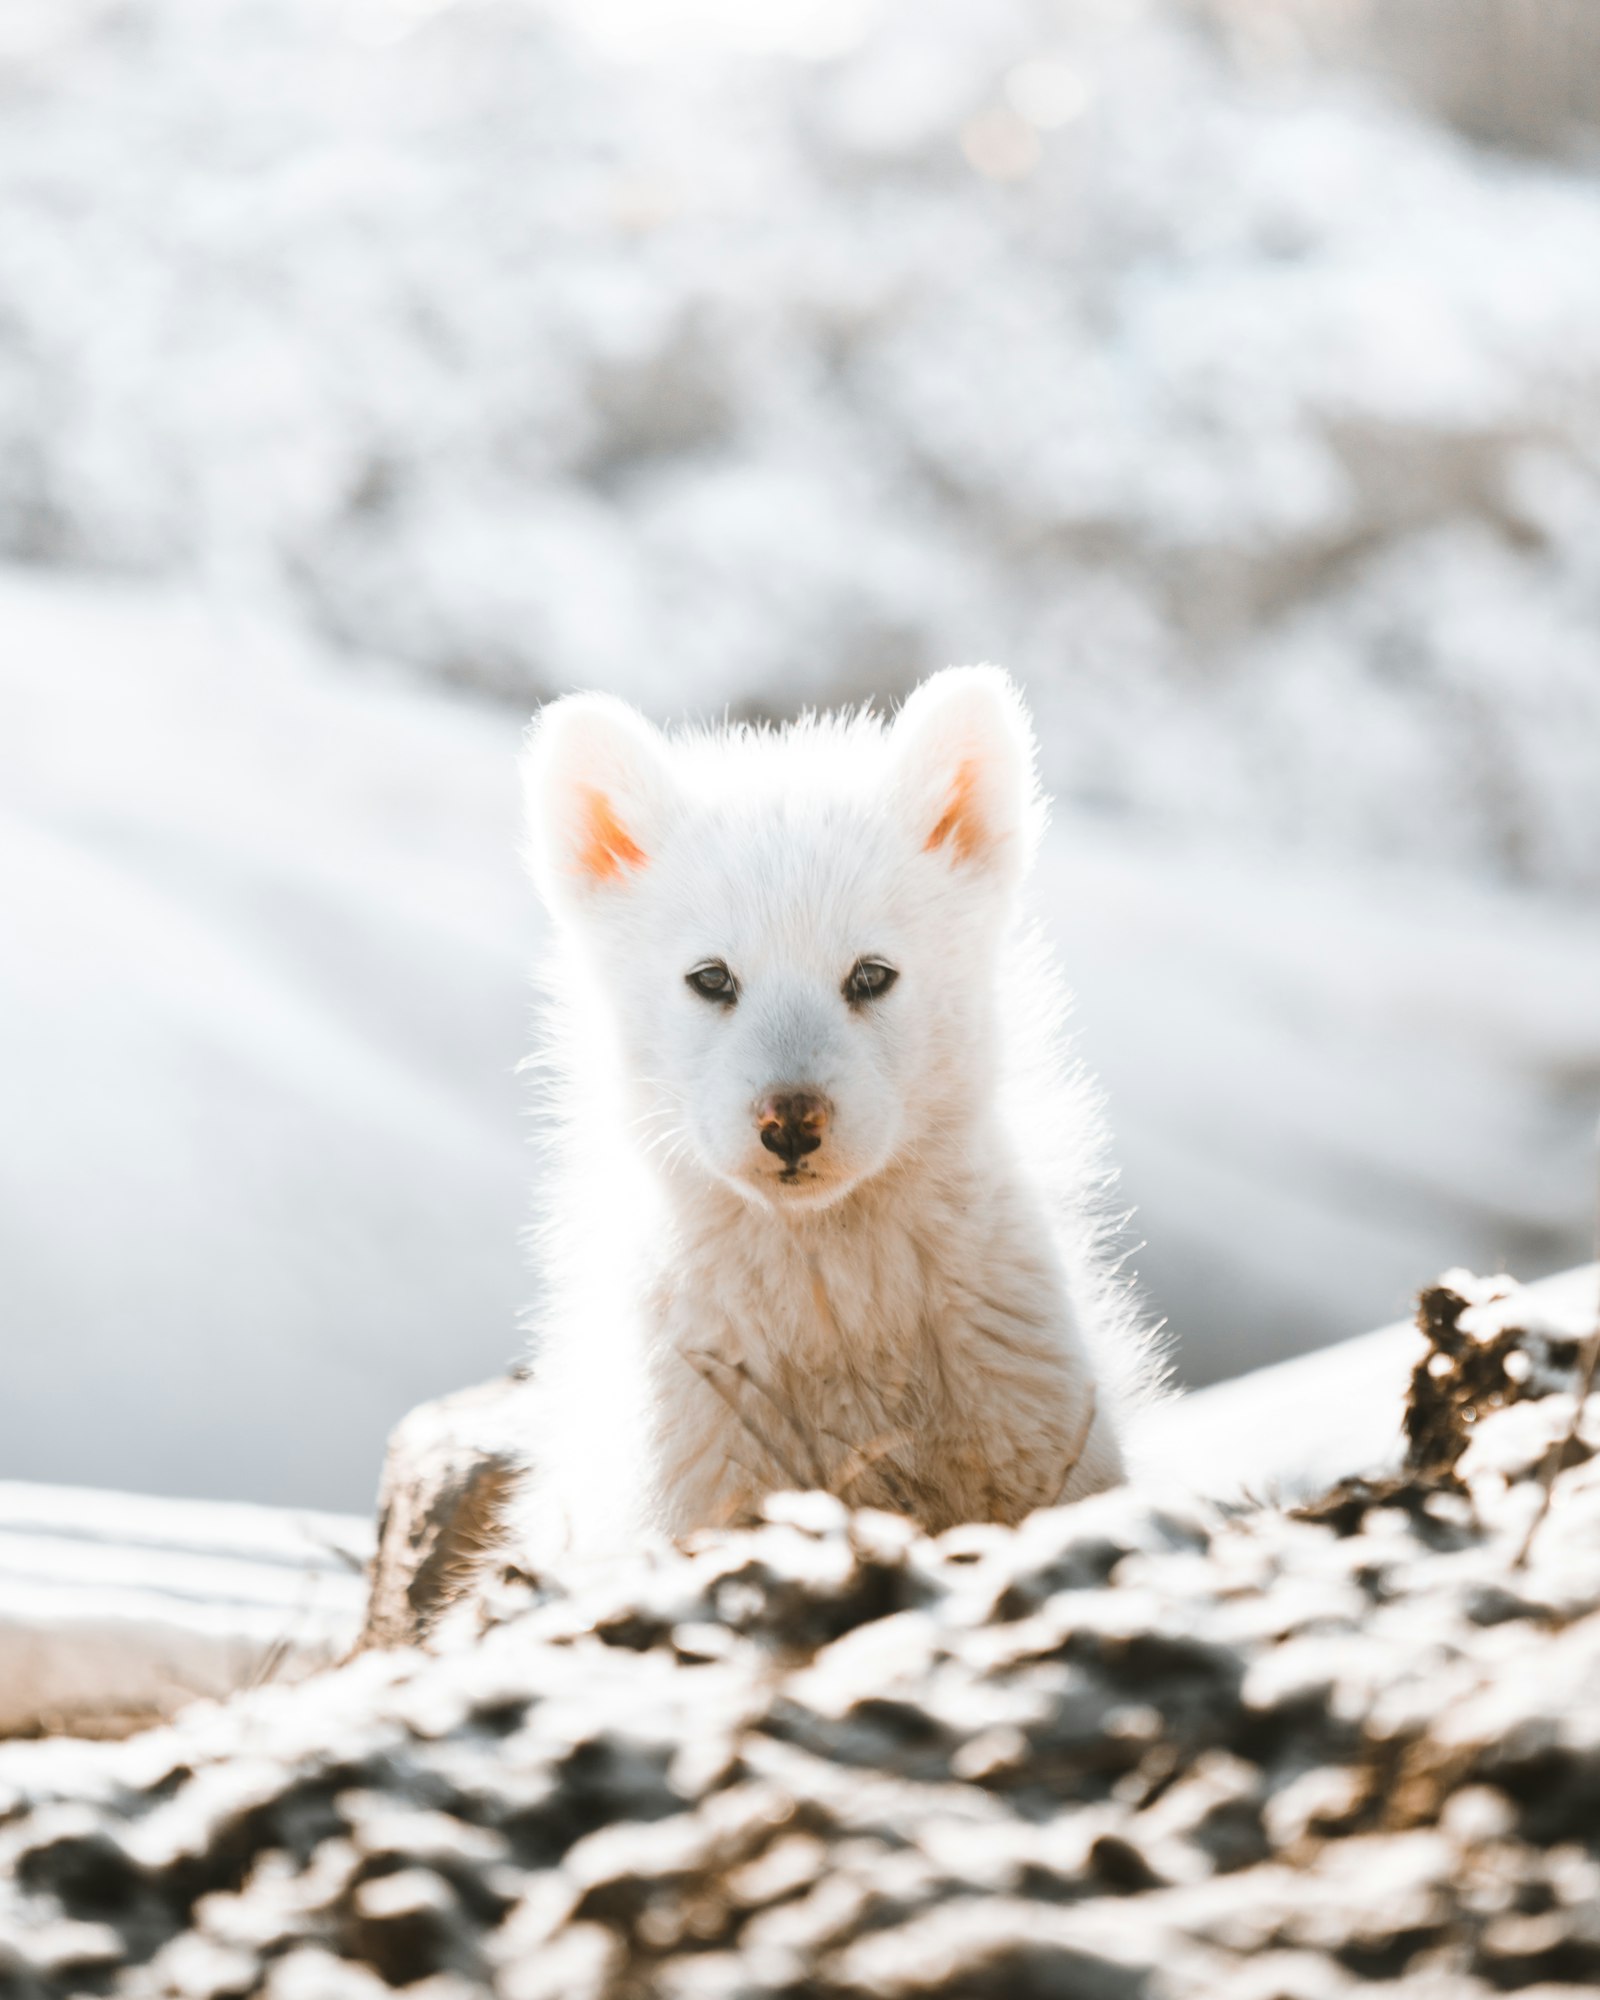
731	355
367	372
1291	1431
1326	1085
265	956
117	1609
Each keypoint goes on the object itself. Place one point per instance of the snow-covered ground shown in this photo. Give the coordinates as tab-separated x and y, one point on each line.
116	1609
264	956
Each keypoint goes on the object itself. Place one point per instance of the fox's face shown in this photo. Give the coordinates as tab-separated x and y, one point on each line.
794	934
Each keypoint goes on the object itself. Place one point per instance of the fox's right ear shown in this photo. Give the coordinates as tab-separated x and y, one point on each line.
599	795
966	771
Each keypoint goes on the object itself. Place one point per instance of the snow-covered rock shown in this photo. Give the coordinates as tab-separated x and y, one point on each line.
1142	1748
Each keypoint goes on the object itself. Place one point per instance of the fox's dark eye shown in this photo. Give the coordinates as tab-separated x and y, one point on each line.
713	981
869	979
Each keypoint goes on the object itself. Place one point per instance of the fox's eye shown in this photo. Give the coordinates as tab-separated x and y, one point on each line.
713	981
869	979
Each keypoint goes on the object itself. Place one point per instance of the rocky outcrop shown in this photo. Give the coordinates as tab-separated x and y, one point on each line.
1137	1747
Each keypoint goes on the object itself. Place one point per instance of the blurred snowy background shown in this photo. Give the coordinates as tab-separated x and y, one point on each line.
370	369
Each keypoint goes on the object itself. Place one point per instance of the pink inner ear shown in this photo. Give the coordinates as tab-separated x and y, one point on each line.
604	843
961	823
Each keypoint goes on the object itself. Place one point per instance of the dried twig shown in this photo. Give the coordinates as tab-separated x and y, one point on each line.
842	1347
855	1461
1556	1457
863	1458
347	1558
698	1356
272	1662
1082	1445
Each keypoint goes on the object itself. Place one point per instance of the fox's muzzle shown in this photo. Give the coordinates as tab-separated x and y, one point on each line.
791	1123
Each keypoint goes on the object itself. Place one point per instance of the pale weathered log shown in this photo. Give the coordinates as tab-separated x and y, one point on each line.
448	1473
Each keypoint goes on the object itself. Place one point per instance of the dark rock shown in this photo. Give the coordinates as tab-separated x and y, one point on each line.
409	1924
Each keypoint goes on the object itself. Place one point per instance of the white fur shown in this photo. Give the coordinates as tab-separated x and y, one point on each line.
908	1316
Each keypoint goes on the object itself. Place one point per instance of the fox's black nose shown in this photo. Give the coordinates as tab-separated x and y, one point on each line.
791	1123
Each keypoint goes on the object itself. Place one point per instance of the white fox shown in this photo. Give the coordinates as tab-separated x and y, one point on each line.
822	1203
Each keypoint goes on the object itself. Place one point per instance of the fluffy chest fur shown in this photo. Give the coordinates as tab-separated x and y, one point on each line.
917	1352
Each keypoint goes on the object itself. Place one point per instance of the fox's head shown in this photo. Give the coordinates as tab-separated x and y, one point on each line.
793	935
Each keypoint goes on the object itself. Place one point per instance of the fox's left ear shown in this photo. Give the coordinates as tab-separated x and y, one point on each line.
965	771
600	795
